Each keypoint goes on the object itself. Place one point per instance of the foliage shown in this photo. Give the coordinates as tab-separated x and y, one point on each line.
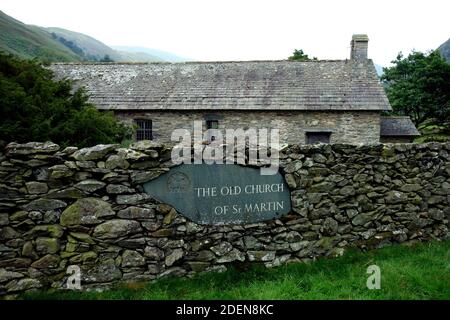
106	58
70	44
419	86
34	107
299	55
417	272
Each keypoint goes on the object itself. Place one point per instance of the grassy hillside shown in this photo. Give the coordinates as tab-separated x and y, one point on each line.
30	42
91	49
138	57
57	44
445	49
158	54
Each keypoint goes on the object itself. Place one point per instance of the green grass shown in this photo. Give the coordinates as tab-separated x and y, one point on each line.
407	272
433	132
30	42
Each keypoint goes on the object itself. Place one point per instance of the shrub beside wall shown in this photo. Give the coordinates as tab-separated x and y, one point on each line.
87	208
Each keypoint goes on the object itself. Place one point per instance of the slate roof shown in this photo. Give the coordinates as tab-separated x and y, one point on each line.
397	126
245	85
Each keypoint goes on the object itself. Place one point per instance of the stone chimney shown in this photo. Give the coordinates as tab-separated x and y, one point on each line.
359	46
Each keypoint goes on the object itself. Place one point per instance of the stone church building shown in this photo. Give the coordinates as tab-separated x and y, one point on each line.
329	101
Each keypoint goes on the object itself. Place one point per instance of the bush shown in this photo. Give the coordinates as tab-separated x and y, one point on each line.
34	107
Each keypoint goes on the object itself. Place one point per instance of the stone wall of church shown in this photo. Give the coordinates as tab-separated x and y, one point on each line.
362	127
86	208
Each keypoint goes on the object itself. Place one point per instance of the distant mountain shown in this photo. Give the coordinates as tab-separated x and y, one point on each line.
57	44
445	49
379	69
30	42
162	55
96	50
138	57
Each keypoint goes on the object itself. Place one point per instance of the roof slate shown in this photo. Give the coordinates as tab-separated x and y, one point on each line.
397	126
245	85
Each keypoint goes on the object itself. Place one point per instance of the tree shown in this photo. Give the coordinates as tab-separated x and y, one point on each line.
106	58
419	86
34	107
299	55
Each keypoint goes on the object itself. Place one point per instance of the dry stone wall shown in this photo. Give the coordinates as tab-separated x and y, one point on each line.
87	208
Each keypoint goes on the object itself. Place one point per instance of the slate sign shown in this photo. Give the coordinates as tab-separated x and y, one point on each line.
222	193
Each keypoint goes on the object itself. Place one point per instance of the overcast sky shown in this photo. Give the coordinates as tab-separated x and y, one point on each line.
248	30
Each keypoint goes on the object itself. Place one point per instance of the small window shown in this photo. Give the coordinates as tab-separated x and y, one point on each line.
212	125
144	130
318	137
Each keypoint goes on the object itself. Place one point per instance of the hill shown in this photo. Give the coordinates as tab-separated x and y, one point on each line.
379	69
159	54
93	50
84	45
138	57
31	42
57	44
445	49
